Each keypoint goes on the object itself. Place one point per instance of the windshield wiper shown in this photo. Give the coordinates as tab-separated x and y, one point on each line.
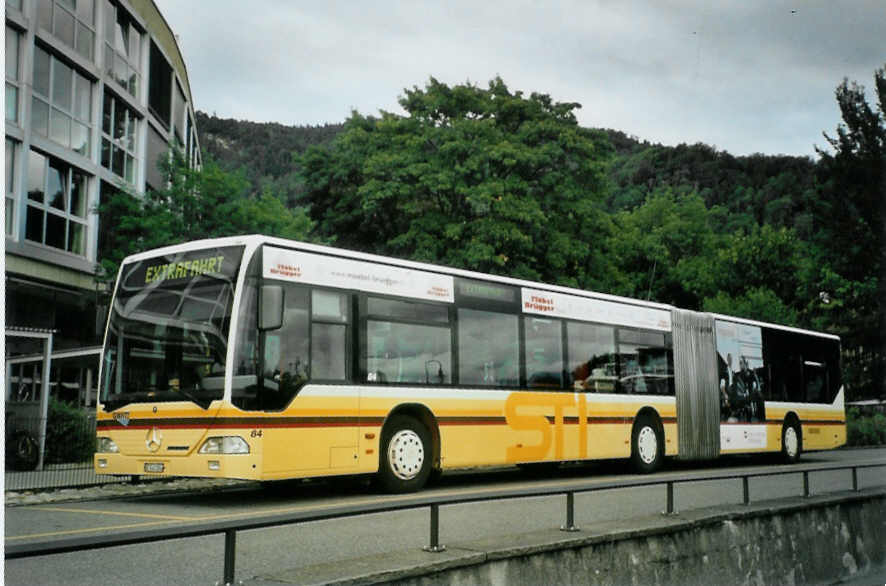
202	403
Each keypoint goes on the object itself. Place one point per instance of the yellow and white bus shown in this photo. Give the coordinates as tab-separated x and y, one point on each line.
260	358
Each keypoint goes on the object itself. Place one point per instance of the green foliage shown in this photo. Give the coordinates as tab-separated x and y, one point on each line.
663	248
850	230
759	303
749	261
70	435
755	190
262	151
483	179
865	430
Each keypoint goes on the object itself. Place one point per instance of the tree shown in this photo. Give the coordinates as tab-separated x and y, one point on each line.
851	223
262	151
759	303
762	258
196	203
485	179
664	249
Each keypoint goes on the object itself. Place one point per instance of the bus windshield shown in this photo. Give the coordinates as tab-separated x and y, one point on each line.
168	328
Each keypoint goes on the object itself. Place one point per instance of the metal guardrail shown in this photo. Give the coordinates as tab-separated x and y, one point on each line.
398	503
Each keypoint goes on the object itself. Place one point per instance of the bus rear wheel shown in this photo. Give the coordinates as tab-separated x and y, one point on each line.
405	459
647	446
791	442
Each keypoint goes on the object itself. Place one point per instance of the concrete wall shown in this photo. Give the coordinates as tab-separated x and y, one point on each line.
797	541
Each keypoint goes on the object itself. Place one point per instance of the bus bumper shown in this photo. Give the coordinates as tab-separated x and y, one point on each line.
245	466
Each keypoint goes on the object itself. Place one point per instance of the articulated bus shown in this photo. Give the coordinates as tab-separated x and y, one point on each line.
260	358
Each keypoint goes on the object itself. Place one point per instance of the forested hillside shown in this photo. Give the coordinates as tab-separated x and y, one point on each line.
759	189
262	150
492	180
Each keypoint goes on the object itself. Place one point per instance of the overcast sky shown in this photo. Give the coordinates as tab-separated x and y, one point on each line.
745	76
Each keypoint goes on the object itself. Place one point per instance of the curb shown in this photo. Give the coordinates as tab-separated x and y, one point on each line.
111	491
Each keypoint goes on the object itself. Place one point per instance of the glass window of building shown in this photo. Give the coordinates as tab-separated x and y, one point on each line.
10	187
119	138
122	48
70	21
192	150
160	86
157	152
178	114
56	214
61	107
12	74
17	4
189	140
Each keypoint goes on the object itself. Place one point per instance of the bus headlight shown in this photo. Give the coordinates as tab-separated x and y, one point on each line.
229	444
105	445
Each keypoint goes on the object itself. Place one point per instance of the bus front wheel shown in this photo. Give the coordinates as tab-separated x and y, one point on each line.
647	446
791	442
405	459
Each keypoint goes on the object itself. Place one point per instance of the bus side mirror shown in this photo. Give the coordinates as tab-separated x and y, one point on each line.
271	308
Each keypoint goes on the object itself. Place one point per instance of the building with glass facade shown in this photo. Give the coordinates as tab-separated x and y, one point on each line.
96	93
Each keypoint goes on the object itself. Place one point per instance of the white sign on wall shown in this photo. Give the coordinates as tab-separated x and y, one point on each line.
597	310
343	273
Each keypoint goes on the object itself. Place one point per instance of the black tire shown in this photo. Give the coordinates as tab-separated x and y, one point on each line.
22	452
435	476
647	445
406	453
791	442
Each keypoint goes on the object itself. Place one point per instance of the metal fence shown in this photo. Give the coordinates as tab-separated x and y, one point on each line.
230	527
67	458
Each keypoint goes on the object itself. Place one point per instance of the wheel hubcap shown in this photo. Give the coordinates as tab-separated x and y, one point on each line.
790	442
647	445
406	454
24	448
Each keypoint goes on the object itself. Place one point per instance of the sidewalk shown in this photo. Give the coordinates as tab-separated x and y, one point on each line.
459	557
15	498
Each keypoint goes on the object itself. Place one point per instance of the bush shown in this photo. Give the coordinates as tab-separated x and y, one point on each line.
70	434
865	430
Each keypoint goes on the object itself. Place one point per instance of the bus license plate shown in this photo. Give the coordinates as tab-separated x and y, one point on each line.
154	467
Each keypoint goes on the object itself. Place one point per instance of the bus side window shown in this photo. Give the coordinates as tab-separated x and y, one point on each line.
815	380
286	352
488	348
330	316
591	357
407	342
645	363
310	345
544	353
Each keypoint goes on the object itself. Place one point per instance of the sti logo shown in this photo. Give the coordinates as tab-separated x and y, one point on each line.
122	418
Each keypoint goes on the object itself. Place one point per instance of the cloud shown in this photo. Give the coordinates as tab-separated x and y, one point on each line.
754	76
